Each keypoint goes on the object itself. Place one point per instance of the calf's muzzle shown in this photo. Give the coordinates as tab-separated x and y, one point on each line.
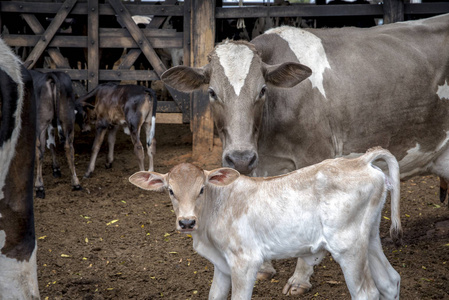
186	224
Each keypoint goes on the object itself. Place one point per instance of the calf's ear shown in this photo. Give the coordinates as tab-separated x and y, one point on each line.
286	75
186	79
150	181
222	176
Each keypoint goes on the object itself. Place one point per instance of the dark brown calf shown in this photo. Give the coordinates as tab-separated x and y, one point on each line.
128	105
56	108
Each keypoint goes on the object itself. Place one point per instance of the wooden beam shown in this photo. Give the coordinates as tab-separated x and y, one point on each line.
93	62
66	7
125	18
202	43
393	11
110	75
169	118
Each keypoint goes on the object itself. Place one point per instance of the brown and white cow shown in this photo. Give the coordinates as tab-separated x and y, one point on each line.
382	86
238	222
112	105
18	268
56	109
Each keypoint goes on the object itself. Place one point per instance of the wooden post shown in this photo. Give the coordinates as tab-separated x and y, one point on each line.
92	44
393	11
202	43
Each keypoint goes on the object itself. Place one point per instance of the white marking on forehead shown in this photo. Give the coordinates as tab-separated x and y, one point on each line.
236	61
308	50
443	91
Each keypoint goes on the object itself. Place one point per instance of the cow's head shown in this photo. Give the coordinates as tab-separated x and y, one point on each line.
237	82
186	185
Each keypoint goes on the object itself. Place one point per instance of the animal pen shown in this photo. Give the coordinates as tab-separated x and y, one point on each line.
197	37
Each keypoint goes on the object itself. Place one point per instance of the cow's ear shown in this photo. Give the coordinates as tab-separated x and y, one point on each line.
286	75
150	181
222	176
186	79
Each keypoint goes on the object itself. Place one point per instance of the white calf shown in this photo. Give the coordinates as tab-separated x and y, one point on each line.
238	222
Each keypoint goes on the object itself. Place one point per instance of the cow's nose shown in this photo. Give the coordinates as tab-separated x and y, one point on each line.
187	223
242	161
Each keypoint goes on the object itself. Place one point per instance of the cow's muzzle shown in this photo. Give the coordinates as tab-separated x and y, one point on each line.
243	161
187	224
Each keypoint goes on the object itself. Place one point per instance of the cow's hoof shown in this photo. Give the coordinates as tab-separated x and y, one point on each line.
57	173
293	290
108	165
265	275
40	192
77	187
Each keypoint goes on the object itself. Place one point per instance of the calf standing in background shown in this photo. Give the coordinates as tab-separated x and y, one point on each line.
56	108
18	247
238	222
128	105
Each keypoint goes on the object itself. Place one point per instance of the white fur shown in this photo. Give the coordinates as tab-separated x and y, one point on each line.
18	279
309	50
11	65
443	91
51	136
236	61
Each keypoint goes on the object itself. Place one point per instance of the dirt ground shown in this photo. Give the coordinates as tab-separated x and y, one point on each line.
113	240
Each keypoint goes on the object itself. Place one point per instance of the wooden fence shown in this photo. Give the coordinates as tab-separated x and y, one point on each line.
197	39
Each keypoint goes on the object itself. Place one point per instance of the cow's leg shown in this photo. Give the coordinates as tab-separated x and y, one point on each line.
299	283
385	276
138	148
243	276
220	285
99	137
111	142
151	145
51	144
443	189
70	154
40	149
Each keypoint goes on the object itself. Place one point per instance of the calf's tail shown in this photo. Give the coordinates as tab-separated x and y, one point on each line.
56	96
393	183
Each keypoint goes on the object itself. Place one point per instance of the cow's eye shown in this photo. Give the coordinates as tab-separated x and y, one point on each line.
170	191
202	190
262	91
212	94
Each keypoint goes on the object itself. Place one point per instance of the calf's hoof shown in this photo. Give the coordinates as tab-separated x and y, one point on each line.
108	165
57	173
265	275
40	192
293	290
87	175
77	187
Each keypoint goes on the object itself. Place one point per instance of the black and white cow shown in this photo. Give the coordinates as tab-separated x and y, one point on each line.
56	109
18	268
382	86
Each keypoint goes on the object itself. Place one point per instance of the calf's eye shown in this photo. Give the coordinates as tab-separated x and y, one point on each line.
170	191
262	91
202	191
212	94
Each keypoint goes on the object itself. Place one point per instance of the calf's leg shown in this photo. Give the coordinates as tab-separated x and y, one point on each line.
70	155
299	283
151	145
40	149
111	142
220	285
99	137
243	276
138	148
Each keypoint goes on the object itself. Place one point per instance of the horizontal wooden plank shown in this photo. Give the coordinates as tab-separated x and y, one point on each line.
81	8
169	118
300	10
109	75
426	8
81	41
167	107
148	32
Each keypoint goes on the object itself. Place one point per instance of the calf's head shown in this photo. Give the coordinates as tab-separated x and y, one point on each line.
187	186
237	82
